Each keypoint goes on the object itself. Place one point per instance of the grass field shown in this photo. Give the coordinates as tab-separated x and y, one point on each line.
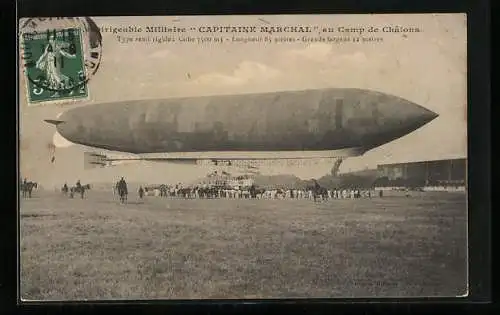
162	248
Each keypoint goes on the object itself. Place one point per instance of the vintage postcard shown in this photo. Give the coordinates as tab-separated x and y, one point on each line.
224	157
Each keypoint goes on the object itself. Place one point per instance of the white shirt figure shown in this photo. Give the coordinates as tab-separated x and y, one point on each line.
50	63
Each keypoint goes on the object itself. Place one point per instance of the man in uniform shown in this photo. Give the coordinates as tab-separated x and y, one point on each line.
123	184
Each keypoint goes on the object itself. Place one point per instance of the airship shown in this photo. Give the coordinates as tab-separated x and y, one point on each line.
323	123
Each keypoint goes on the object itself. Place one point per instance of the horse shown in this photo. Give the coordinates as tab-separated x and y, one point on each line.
318	192
163	190
27	188
65	190
78	189
258	192
185	192
121	188
253	192
322	193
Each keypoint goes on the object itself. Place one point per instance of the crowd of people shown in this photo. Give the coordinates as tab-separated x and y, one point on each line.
206	191
253	192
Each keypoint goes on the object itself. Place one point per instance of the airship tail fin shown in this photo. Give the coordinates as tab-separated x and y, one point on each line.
54	122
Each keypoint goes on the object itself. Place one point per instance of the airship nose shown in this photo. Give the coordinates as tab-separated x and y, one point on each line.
396	117
404	115
429	116
432	115
419	116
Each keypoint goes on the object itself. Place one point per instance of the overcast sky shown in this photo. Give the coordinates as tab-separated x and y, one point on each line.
428	68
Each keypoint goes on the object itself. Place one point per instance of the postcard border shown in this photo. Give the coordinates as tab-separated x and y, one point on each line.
478	153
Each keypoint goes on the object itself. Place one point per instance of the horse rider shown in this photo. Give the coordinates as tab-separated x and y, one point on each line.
78	185
25	181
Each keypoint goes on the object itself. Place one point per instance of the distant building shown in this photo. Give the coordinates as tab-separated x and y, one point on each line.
426	173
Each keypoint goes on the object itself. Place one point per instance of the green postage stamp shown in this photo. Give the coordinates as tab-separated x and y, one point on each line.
54	66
